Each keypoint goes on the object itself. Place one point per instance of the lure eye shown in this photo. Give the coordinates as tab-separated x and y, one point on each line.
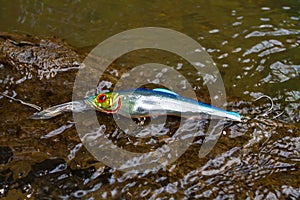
101	98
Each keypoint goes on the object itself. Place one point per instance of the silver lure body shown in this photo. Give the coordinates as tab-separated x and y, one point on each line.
143	102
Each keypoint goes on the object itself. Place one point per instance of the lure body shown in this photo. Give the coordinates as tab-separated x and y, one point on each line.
143	102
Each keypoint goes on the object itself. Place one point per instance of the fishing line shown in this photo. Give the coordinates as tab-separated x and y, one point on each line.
22	102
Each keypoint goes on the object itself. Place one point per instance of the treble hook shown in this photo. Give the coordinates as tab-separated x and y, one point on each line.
272	104
247	118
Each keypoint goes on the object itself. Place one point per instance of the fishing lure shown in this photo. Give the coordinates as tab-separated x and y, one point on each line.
139	103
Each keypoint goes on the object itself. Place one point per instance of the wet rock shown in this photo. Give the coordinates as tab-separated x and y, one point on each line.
84	173
42	57
49	166
6	154
6	178
47	66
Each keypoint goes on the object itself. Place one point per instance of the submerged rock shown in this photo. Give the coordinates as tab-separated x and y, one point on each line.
6	154
41	57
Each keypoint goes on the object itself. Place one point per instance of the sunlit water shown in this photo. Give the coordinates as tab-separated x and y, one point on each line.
256	48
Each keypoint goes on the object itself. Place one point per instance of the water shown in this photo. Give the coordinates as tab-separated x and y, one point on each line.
256	48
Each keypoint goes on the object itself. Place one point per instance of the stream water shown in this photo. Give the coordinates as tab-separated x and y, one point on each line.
255	45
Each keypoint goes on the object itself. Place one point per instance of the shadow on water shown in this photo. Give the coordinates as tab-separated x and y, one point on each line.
256	48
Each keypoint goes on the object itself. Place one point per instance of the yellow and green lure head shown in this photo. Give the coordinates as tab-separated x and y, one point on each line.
105	102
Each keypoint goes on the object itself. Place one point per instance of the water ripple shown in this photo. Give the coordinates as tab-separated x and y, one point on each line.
279	32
